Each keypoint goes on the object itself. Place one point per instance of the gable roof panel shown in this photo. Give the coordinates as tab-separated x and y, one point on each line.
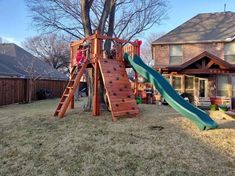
205	27
16	61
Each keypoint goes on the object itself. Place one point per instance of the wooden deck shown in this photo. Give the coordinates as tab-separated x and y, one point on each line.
118	88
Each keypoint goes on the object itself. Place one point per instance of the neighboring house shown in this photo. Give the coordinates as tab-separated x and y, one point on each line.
21	63
198	57
17	66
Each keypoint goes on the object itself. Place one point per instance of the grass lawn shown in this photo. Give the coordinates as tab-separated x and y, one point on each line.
159	142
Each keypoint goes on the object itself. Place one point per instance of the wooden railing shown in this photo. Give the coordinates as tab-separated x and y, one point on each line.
126	46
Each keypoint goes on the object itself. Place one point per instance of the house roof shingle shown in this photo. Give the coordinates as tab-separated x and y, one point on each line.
205	27
15	61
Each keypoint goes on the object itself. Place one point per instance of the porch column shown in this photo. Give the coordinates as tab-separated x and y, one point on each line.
230	89
171	79
183	83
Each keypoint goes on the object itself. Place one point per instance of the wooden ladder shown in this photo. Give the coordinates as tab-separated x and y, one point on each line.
70	90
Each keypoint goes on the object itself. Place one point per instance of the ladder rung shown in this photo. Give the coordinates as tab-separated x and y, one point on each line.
69	87
66	95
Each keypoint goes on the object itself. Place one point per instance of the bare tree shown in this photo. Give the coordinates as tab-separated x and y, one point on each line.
32	74
120	18
52	49
146	49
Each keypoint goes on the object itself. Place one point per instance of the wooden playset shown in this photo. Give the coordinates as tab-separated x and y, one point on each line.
112	71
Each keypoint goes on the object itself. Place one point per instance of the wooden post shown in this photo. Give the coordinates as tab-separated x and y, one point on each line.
136	84
71	66
138	42
183	83
97	48
171	79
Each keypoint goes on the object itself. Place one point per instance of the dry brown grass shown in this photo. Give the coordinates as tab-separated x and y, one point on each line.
159	142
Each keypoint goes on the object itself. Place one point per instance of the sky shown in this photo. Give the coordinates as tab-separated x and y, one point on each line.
16	24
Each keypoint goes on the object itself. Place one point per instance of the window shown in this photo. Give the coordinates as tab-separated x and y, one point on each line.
176	54
176	83
222	85
229	52
189	82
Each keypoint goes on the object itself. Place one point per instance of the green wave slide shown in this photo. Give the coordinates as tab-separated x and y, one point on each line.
200	118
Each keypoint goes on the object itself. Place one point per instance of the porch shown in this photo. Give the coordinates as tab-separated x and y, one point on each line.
203	78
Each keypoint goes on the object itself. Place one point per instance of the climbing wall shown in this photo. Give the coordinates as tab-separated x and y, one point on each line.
118	88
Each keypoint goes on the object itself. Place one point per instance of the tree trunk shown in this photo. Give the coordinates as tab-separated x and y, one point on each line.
89	79
104	16
85	9
107	45
30	90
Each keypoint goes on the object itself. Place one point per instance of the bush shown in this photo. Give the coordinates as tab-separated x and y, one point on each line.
138	100
223	108
213	107
44	94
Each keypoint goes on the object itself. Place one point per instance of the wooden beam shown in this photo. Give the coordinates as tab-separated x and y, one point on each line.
204	71
96	106
203	63
97	51
209	64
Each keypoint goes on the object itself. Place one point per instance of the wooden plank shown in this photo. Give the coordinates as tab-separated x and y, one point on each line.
123	113
60	110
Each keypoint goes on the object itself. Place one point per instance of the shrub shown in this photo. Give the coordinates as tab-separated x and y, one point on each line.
213	107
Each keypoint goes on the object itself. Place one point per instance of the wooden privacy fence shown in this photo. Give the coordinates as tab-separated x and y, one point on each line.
16	90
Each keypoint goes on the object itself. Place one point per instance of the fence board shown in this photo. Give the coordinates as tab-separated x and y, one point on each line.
13	90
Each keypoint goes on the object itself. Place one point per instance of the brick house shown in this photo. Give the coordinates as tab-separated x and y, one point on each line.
198	57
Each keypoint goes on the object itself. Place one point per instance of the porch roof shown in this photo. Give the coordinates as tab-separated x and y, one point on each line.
204	67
